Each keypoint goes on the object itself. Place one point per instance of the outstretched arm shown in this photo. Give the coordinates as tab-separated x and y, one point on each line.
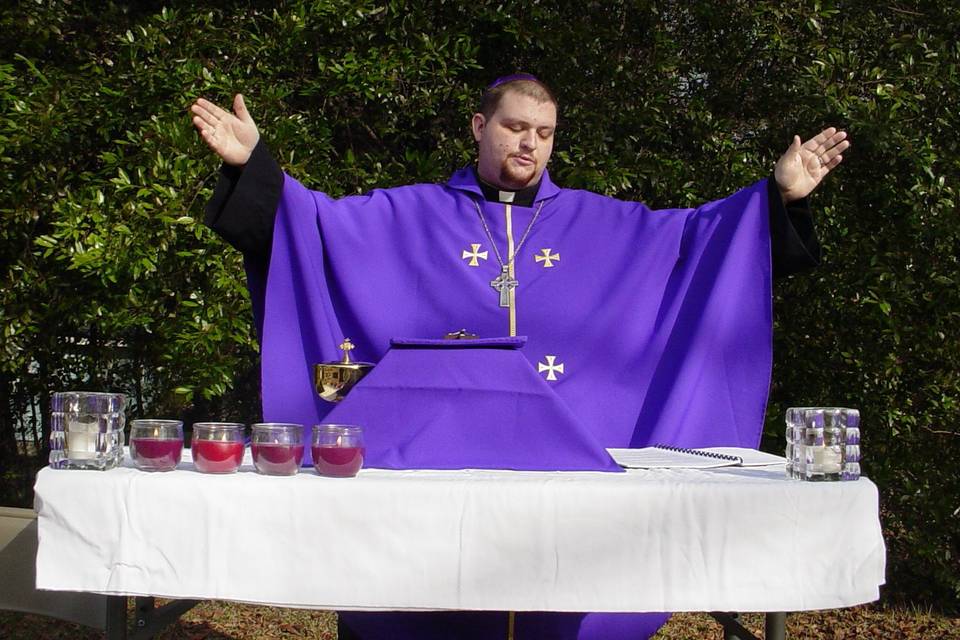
245	199
232	136
800	170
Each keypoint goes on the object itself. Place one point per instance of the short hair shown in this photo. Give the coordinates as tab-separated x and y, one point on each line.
523	83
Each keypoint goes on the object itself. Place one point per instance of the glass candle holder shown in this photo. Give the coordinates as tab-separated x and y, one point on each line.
156	445
86	430
337	449
823	443
217	447
277	448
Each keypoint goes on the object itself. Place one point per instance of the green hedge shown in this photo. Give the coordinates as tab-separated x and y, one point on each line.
110	281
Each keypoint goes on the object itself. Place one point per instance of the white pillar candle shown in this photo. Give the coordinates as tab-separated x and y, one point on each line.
82	437
827	459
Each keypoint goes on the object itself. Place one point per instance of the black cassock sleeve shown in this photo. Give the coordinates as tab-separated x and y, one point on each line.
793	240
244	205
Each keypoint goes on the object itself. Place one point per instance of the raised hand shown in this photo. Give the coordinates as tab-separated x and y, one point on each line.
232	136
804	165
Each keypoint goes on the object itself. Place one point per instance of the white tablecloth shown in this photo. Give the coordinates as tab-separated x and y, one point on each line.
730	539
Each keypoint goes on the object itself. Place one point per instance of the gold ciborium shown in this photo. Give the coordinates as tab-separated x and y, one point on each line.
333	380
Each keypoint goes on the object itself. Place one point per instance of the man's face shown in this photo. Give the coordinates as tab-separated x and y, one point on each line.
514	144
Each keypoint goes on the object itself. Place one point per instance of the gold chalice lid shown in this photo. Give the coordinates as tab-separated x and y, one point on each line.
333	380
346	346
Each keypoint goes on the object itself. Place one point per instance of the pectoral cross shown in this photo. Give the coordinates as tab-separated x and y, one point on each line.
504	284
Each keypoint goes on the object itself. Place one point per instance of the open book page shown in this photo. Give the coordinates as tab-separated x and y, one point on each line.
712	457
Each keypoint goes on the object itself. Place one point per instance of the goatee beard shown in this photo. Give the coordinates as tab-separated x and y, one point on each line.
516	177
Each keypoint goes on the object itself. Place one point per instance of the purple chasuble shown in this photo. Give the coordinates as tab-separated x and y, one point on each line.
651	326
466	404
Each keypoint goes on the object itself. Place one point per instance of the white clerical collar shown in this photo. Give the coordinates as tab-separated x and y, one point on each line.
522	198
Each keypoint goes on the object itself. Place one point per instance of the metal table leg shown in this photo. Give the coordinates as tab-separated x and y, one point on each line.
775	626
150	619
732	629
116	618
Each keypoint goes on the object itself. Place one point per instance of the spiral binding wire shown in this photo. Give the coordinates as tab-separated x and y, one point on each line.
705	454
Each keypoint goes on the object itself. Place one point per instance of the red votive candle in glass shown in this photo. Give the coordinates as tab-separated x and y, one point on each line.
217	447
337	449
156	445
277	448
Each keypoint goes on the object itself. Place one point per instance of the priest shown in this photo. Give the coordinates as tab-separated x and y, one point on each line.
649	325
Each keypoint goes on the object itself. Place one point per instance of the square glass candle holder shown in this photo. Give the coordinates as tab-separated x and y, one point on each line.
338	450
277	448
86	430
823	443
217	447
156	445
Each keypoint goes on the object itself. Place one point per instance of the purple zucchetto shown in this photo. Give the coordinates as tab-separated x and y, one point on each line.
512	78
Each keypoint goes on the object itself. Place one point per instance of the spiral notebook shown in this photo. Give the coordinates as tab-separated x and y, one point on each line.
666	457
